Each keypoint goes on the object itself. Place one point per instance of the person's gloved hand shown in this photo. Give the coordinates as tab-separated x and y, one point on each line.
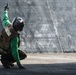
6	7
19	65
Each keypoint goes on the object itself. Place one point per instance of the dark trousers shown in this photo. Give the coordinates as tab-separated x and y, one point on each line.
9	58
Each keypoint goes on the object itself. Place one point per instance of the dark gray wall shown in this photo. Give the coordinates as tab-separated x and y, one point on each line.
50	25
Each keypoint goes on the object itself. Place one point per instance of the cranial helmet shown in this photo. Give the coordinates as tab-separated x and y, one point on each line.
18	23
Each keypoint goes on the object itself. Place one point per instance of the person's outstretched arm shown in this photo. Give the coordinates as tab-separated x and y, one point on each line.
6	21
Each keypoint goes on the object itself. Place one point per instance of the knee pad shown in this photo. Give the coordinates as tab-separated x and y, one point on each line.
22	54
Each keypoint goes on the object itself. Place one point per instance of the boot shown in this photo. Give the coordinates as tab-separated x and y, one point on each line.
5	65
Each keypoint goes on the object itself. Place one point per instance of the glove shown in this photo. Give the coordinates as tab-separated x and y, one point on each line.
19	65
6	7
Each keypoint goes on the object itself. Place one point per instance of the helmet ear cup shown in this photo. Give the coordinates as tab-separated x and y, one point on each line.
20	26
18	23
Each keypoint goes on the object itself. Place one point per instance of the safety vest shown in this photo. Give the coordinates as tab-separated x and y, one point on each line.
5	39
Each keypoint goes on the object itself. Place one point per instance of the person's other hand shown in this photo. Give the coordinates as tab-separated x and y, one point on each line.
19	65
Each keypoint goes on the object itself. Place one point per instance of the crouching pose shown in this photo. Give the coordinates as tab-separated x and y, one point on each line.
10	40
